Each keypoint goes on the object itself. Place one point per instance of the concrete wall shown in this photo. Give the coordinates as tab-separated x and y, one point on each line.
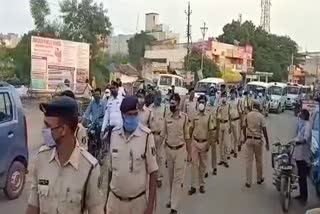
118	44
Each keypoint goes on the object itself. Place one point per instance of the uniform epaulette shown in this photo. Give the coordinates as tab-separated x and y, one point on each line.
44	148
88	157
145	129
117	128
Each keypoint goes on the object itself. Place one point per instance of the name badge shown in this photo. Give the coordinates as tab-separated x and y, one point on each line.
43	182
169	122
114	150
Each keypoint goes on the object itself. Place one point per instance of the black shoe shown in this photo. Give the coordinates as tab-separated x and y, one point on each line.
202	190
239	148
261	181
226	165
214	172
220	163
166	163
228	157
235	155
159	184
192	191
168	205
248	185
206	175
174	212
232	152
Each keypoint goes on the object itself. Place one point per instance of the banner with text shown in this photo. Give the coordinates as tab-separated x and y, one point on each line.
53	61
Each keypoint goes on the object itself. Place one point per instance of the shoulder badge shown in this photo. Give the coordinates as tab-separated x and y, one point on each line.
88	157
44	148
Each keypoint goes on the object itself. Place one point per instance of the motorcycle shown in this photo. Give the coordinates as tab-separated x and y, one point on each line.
284	178
94	140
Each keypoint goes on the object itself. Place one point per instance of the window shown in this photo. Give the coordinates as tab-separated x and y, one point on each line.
284	91
275	90
293	90
6	113
165	80
178	82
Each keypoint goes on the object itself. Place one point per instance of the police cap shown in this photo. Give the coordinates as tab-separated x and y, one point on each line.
129	103
63	106
202	98
141	93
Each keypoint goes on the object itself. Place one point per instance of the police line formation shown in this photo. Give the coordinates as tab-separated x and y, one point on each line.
136	138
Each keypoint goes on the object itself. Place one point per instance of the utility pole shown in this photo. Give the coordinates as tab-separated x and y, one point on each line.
204	30
188	13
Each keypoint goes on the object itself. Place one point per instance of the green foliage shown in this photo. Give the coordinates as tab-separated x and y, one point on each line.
210	69
39	10
85	21
6	64
137	46
271	53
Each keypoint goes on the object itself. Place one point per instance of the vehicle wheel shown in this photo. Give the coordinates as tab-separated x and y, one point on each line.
285	193
15	180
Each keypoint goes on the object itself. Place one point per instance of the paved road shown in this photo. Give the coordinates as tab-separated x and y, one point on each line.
225	193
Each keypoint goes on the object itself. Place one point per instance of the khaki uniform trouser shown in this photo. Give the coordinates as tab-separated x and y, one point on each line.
223	141
235	134
242	125
177	162
199	155
253	149
136	206
213	148
159	155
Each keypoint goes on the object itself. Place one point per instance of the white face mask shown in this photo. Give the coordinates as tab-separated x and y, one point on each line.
48	138
201	107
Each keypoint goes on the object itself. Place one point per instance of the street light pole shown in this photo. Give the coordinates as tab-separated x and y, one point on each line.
203	31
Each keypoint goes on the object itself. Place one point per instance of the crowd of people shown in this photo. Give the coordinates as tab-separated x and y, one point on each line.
142	135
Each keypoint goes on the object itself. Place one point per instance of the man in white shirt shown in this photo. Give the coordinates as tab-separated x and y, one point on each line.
112	116
121	91
302	153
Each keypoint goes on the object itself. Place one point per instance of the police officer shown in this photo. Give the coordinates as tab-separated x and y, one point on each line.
190	106
255	130
213	138
200	125
159	113
145	114
235	113
224	120
132	161
65	178
177	150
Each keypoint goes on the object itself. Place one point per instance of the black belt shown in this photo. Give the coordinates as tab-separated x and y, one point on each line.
235	119
175	147
129	198
156	133
200	141
224	121
215	128
255	138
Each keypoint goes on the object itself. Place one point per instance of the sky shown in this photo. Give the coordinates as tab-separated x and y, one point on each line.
295	18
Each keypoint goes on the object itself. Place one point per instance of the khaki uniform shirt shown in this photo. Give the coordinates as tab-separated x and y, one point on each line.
201	124
213	111
255	121
234	108
145	116
132	160
82	137
159	114
57	188
223	112
190	109
176	130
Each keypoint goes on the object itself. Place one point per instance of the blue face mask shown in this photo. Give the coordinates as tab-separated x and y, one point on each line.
212	100
130	123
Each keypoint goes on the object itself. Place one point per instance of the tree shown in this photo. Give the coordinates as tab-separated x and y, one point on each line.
39	10
6	63
137	47
210	69
271	53
85	21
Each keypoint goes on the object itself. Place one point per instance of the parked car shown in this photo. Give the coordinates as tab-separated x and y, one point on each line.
13	142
